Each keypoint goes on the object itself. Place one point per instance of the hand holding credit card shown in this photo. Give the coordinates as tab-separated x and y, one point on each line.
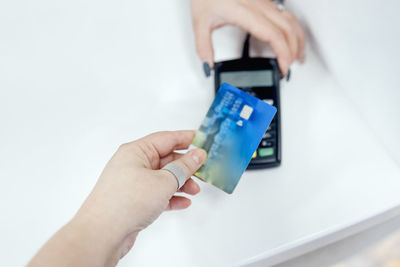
230	134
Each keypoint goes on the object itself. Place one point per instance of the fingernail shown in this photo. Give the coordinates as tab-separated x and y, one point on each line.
206	68
196	159
197	155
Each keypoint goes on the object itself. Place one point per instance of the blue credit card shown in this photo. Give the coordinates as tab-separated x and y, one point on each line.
230	134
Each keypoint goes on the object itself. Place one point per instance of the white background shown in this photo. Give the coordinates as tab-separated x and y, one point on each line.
78	78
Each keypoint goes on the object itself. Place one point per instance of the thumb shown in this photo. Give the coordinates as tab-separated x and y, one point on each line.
190	162
203	38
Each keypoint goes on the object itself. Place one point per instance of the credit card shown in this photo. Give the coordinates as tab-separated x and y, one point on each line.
230	134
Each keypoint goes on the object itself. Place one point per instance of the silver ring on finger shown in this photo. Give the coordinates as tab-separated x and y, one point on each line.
177	172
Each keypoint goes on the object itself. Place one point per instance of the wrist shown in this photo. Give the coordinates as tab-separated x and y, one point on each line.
98	228
98	238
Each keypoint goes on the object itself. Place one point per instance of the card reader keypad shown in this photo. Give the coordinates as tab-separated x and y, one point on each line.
267	147
267	144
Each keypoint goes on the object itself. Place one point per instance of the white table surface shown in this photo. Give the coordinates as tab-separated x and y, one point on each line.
78	78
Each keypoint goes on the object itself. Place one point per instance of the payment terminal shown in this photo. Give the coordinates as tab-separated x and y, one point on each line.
259	77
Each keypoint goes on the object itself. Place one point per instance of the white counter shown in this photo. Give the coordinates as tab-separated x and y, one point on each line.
79	78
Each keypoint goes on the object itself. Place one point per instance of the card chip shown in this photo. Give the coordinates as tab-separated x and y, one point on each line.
246	112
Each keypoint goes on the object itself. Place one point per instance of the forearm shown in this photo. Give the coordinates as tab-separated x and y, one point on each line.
79	243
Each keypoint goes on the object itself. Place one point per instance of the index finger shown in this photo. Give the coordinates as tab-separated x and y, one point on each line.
254	22
167	141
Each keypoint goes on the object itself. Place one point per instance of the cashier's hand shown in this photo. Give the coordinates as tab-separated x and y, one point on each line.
261	18
130	194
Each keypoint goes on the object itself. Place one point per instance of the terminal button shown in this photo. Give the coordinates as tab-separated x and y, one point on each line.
266	152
